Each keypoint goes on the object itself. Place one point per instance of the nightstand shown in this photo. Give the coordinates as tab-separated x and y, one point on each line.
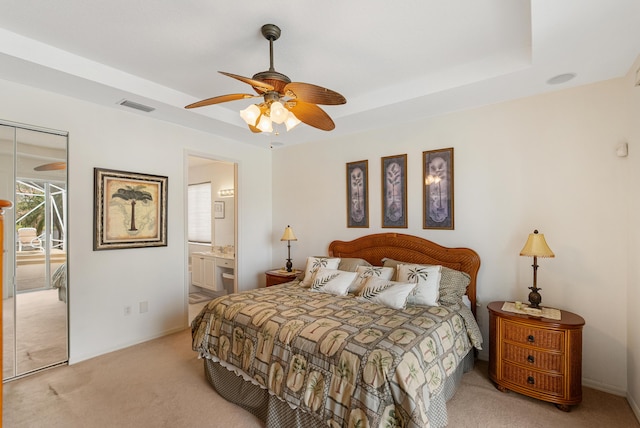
536	356
279	276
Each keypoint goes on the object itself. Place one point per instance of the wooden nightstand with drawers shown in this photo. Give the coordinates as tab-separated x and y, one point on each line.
536	356
279	276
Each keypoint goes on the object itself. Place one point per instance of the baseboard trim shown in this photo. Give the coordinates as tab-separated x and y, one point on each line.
603	387
634	406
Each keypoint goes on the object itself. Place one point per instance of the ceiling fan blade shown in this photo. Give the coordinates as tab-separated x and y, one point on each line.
311	114
313	94
258	85
53	166
220	99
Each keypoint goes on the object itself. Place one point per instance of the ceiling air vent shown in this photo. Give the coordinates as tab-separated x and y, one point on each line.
136	106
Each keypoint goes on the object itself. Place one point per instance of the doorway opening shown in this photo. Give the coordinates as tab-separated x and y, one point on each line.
211	230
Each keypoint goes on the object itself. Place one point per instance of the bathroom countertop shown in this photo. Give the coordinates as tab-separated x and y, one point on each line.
216	254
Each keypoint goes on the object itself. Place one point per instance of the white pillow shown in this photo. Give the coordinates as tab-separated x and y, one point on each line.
365	272
332	281
315	263
385	292
427	292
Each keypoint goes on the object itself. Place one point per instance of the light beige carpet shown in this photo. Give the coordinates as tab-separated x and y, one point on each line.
478	404
41	332
161	383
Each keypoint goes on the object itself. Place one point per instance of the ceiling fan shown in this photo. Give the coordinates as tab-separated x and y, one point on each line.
284	101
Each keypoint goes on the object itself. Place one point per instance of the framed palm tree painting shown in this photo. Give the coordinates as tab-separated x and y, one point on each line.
130	210
358	194
394	191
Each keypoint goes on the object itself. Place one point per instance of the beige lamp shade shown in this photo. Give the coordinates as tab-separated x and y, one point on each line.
536	246
288	235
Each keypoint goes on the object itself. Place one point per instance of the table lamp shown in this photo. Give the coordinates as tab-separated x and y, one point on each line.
535	247
288	236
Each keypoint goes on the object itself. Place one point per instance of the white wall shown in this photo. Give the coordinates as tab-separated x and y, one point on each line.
633	297
224	227
101	283
546	162
221	176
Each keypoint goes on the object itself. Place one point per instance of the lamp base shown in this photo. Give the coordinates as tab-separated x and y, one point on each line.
289	265
534	297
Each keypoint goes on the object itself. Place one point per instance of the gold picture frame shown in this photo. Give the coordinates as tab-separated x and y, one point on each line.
394	191
358	194
130	210
437	168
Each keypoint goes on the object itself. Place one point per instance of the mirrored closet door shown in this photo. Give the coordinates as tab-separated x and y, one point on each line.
33	176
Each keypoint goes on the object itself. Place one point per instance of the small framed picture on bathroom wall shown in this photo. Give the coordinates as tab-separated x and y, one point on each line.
218	209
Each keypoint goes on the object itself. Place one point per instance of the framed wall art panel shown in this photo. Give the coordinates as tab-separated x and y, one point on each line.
218	209
394	191
358	194
438	189
130	210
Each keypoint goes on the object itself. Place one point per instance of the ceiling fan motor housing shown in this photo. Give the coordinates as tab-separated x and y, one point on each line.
273	78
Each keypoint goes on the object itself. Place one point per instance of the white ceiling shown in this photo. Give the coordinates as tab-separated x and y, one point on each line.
393	61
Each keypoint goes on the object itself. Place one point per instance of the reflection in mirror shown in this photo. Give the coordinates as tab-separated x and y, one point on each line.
35	281
7	161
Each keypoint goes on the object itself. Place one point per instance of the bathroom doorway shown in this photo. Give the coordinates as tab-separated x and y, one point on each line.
211	230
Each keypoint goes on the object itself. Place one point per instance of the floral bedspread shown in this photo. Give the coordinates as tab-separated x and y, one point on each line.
347	362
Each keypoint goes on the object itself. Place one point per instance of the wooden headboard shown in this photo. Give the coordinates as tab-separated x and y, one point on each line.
412	249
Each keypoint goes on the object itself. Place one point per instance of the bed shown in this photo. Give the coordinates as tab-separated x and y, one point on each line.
308	354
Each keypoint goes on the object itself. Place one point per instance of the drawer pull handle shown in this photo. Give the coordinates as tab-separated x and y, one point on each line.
531	339
531	380
531	359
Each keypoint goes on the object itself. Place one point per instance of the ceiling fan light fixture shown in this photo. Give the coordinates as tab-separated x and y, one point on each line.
291	121
250	114
264	124
278	113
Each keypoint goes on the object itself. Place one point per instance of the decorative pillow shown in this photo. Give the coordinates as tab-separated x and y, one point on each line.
453	285
351	264
393	264
315	263
332	281
385	292
365	272
427	279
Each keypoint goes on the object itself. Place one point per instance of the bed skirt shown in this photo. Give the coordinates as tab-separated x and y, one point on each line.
275	413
